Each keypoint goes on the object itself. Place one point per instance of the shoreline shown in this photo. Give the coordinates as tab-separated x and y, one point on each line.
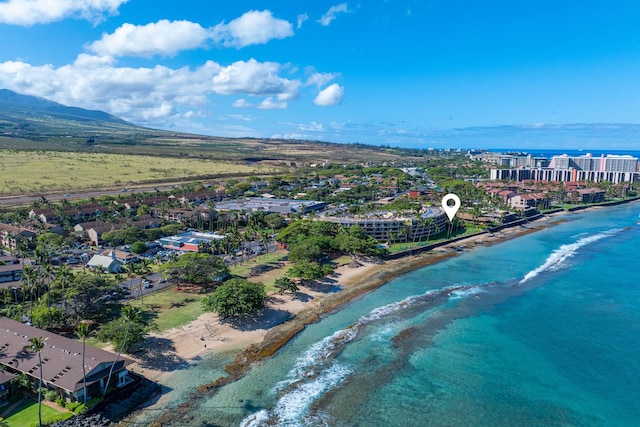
270	334
353	284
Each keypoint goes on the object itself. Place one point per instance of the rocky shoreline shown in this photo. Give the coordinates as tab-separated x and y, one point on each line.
371	278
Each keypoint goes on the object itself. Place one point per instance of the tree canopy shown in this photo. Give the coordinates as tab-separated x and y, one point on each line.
236	297
198	269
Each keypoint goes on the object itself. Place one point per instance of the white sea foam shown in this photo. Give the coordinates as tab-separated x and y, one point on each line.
316	371
557	257
293	406
259	419
465	292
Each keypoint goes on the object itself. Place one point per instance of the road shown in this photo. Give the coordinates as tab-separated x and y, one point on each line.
136	288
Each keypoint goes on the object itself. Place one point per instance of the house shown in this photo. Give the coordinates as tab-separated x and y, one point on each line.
61	362
122	256
589	195
10	272
5	389
523	201
95	233
11	236
109	264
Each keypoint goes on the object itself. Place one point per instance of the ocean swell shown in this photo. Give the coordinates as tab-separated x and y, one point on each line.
557	257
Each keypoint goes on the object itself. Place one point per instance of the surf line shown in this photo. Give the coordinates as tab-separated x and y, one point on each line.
557	257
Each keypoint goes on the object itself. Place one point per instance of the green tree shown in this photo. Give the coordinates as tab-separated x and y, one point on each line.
236	297
135	327
44	316
198	269
309	271
138	247
307	250
86	295
36	345
284	284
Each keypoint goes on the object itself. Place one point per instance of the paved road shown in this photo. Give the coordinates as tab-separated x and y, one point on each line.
136	288
25	200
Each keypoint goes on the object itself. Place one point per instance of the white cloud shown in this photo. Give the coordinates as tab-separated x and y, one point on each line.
254	78
242	103
254	27
332	13
160	38
31	12
331	95
267	104
311	127
320	79
148	96
270	104
301	18
241	117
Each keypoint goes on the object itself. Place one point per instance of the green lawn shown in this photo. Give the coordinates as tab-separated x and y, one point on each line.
26	414
470	230
268	278
169	308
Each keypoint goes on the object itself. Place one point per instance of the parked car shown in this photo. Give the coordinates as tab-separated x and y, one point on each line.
147	284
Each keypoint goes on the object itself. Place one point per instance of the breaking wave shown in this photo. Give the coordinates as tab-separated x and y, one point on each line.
316	371
557	257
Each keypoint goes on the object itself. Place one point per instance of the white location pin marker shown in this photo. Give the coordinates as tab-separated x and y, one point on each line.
451	210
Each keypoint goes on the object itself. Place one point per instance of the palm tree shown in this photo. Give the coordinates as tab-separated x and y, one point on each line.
128	316
36	345
28	282
64	275
83	332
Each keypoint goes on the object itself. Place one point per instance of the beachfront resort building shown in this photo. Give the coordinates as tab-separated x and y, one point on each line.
61	362
612	168
385	226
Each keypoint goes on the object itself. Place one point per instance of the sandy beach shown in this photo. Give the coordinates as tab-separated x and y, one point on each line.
287	314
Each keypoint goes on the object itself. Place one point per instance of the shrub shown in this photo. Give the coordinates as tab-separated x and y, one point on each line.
73	405
63	416
50	395
60	401
81	409
93	402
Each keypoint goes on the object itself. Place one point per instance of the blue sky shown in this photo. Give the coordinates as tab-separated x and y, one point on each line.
424	73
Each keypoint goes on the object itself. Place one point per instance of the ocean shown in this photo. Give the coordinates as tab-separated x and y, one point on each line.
541	330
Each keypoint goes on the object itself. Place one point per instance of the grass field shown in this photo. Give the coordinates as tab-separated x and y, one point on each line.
46	171
169	308
26	414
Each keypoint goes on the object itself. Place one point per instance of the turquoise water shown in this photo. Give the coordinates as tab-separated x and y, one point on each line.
542	330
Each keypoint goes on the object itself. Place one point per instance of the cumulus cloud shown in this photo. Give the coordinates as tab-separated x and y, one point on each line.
254	78
160	38
254	27
331	95
30	12
301	18
320	79
148	95
270	104
242	103
332	13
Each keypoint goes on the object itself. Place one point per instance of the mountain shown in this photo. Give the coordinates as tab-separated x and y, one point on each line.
32	123
13	104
